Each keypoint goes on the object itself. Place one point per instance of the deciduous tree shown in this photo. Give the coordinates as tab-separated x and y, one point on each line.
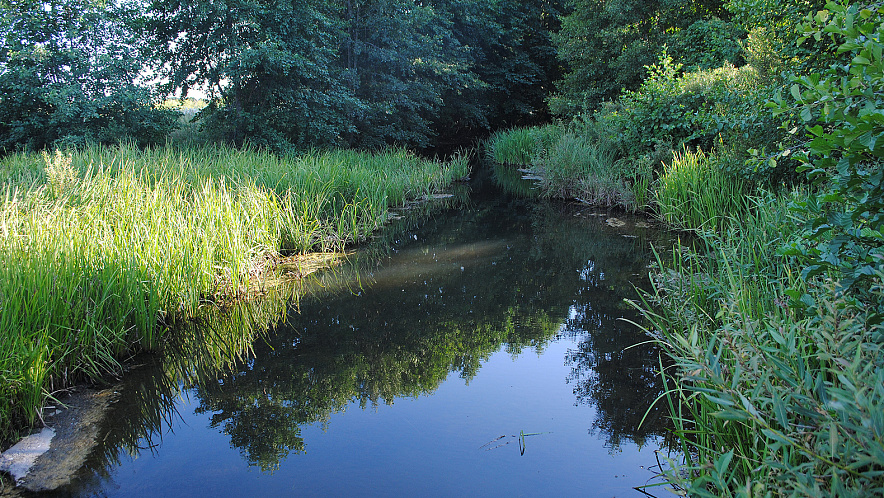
69	73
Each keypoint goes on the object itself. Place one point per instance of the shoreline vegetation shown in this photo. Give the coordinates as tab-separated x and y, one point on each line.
107	249
774	322
777	385
756	124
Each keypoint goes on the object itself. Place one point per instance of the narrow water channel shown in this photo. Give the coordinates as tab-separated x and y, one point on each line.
482	349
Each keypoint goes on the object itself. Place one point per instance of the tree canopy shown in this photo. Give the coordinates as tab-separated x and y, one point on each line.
69	71
608	44
364	73
357	73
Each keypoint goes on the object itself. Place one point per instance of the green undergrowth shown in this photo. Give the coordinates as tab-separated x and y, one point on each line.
571	162
695	193
104	250
626	152
690	190
520	146
768	399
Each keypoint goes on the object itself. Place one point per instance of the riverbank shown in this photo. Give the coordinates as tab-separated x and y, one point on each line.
105	251
778	380
775	329
49	459
775	321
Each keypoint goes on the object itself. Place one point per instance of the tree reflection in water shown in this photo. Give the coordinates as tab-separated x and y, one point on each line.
413	307
450	295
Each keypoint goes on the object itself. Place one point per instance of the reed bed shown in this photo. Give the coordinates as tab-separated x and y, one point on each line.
572	162
777	387
577	166
520	146
104	250
694	193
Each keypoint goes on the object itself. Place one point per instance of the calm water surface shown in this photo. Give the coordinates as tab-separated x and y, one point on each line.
477	350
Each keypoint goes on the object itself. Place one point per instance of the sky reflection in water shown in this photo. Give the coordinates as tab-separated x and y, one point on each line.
413	369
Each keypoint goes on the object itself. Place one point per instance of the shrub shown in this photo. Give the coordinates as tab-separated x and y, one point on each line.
672	111
843	154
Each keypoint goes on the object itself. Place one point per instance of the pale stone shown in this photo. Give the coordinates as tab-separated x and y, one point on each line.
19	459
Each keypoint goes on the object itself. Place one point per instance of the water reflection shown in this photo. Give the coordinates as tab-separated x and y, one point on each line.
411	308
614	368
618	377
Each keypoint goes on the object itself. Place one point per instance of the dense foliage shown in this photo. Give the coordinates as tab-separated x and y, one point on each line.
360	73
608	43
843	153
269	67
357	73
69	73
717	114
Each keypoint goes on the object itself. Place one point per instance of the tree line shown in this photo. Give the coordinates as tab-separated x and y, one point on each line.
356	73
305	73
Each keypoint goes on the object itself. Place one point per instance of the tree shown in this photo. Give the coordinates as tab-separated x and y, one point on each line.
365	73
513	58
401	58
271	67
608	43
774	29
69	72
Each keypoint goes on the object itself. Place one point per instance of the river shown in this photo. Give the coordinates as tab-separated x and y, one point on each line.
482	348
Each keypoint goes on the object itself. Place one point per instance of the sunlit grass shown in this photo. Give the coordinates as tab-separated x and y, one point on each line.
104	250
693	193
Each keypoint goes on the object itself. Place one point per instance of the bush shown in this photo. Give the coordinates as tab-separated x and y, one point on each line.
672	111
843	154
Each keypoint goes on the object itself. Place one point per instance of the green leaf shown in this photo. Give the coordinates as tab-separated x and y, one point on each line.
720	401
806	114
780	413
731	415
776	436
723	461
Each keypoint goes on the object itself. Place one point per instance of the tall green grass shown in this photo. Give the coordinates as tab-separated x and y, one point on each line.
576	166
694	193
767	401
520	146
102	251
573	162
